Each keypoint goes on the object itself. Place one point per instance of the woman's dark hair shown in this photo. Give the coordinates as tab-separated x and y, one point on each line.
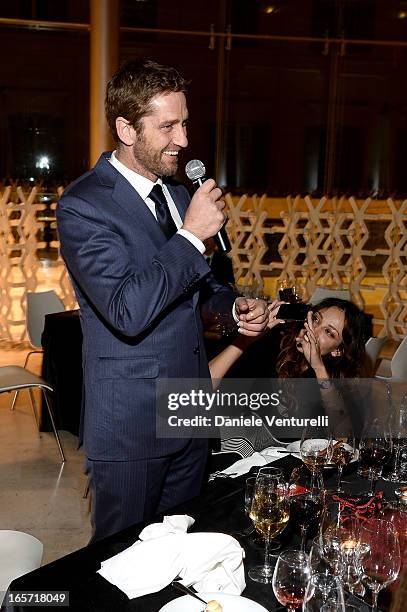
131	89
349	364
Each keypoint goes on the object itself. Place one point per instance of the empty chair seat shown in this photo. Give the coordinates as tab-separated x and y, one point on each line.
20	553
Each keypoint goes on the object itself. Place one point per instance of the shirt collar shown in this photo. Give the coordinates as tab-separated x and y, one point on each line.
141	184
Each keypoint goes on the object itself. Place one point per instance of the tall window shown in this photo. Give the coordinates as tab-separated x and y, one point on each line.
287	96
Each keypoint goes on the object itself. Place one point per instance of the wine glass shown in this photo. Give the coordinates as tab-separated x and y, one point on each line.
394	513
248	493
323	593
318	563
315	448
306	490
342	453
337	528
286	292
271	471
398	427
381	564
270	512
375	449
278	473
290	578
248	498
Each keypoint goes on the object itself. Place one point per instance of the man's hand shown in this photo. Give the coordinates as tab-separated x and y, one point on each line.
204	216
253	316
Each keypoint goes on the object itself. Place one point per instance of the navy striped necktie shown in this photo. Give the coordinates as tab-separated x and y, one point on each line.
164	217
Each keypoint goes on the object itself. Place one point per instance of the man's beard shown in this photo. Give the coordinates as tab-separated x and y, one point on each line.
152	160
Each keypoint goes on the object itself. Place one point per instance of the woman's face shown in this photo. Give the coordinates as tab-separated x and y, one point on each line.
328	325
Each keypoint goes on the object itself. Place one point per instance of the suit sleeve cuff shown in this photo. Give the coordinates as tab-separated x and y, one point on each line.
236	318
193	239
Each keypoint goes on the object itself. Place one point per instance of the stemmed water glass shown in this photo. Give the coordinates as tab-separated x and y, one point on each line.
306	491
398	426
375	448
334	531
290	578
381	564
269	512
337	550
248	498
323	594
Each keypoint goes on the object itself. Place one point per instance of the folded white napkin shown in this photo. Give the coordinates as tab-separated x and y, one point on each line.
208	561
242	466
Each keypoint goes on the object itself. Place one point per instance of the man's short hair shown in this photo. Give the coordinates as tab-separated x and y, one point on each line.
131	89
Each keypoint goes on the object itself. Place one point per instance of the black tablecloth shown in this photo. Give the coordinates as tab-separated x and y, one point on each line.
219	508
62	368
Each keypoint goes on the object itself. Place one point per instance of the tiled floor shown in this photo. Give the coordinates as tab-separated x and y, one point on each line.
38	494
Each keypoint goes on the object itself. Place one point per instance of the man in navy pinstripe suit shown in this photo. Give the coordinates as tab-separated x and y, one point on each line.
135	256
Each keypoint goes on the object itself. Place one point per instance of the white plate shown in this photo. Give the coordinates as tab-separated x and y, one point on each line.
294	448
229	603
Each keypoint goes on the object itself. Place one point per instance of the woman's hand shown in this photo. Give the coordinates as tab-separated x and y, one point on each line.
311	348
273	312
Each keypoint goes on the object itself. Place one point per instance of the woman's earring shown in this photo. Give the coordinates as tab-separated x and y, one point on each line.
336	353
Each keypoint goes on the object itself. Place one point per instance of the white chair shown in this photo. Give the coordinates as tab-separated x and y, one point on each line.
39	304
398	364
373	347
321	293
20	553
15	378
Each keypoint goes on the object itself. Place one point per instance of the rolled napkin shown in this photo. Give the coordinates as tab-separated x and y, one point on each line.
208	561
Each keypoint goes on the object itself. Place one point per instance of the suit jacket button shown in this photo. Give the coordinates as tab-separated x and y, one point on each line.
195	350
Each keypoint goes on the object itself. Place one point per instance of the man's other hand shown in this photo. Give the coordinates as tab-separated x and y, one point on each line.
253	316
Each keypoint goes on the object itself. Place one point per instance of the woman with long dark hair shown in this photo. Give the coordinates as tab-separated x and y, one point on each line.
328	346
331	343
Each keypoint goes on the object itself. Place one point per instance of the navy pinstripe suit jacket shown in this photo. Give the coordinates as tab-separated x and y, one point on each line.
139	297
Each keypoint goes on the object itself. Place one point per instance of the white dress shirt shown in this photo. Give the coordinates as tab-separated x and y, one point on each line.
143	186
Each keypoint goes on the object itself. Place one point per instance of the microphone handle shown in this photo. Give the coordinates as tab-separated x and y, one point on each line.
221	238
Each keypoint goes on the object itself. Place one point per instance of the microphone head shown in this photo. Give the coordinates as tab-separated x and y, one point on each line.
195	170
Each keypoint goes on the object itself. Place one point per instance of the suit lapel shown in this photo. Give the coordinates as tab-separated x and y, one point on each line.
125	196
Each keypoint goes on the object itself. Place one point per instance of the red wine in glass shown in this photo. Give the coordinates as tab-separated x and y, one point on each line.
307	510
372	459
290	597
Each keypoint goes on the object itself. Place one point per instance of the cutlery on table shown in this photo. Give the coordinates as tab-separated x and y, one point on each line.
186	590
244	533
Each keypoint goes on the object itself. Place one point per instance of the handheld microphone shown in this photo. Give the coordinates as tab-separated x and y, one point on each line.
195	171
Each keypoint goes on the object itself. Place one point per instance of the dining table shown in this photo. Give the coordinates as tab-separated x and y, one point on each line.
219	508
